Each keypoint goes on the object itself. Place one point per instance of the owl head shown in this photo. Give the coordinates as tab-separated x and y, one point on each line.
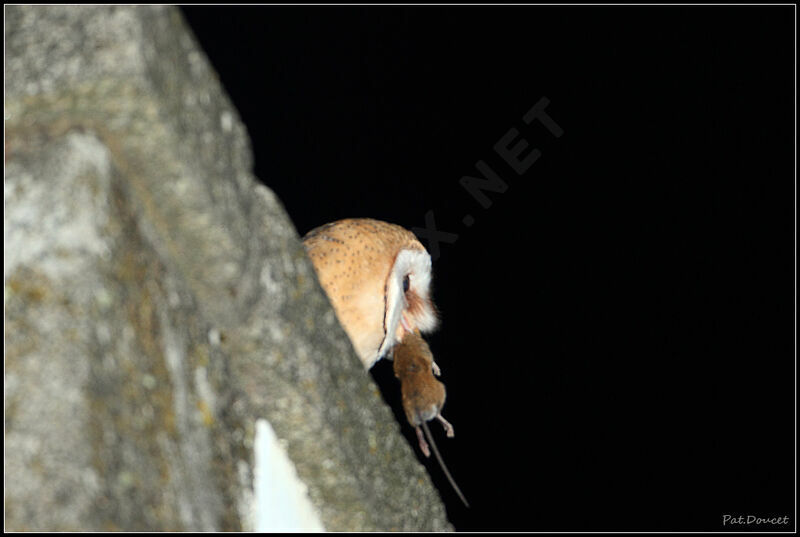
378	278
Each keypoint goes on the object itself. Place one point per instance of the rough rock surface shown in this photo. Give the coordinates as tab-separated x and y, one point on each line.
158	301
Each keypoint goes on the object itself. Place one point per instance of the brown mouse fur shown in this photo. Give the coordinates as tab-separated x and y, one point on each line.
423	396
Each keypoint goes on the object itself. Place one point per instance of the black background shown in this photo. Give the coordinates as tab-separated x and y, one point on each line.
617	333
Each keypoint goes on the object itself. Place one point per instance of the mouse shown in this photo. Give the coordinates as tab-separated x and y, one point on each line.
422	394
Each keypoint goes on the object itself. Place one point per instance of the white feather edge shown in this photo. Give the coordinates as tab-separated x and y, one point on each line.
418	264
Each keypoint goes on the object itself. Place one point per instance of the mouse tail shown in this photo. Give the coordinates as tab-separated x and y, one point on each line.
441	462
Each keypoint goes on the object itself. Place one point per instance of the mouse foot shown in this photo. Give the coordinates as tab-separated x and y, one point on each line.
436	370
447	426
423	445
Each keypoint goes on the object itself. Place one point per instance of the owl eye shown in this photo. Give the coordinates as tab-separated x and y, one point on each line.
406	283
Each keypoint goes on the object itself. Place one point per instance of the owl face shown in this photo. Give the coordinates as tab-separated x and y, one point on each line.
378	278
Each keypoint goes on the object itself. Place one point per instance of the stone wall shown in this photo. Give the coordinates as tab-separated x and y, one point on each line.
158	302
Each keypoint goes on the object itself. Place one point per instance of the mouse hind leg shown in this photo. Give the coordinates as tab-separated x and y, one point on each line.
447	426
423	445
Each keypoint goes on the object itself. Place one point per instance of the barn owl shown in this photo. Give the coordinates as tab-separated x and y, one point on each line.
378	277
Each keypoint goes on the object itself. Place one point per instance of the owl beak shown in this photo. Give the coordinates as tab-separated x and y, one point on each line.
406	324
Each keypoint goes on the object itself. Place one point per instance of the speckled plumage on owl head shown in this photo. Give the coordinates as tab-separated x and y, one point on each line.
378	277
